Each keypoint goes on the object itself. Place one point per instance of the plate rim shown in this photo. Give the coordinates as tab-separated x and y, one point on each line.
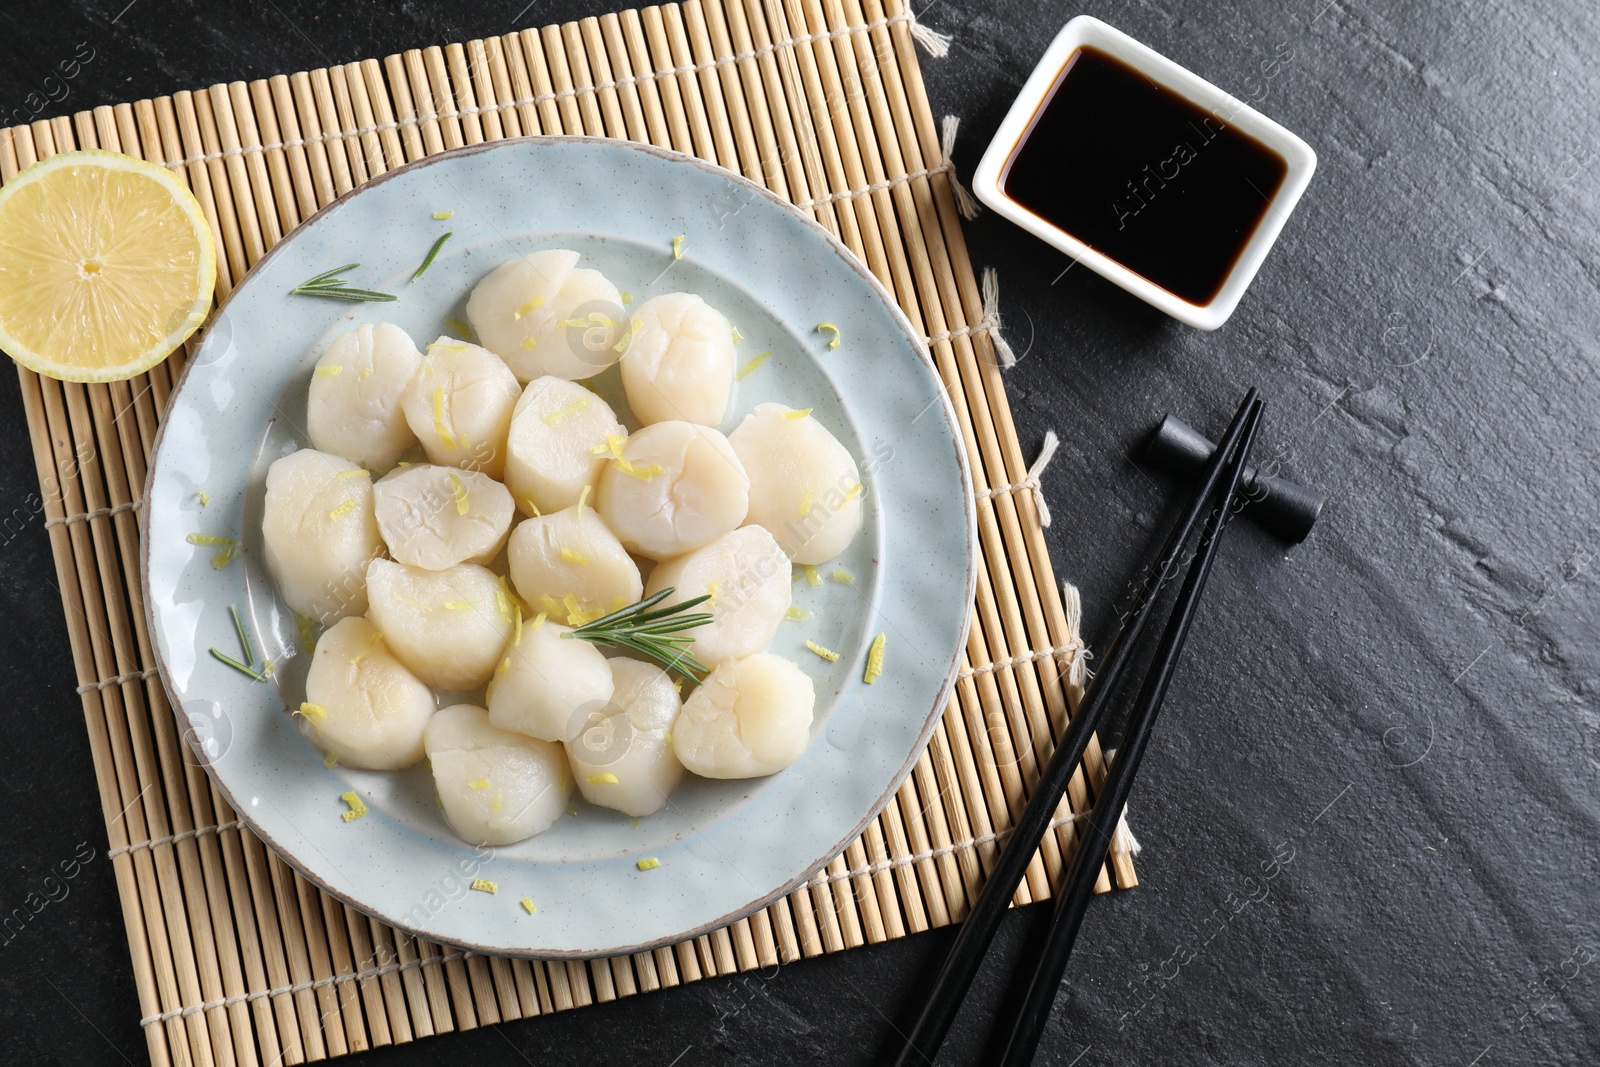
931	717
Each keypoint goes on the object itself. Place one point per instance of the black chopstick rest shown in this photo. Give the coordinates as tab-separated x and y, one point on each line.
1283	508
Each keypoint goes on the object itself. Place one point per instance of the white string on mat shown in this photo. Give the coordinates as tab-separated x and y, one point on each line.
85	516
172	839
964	202
937	44
1047	452
1077	671
301	987
1123	840
825	877
989	323
107	683
947	150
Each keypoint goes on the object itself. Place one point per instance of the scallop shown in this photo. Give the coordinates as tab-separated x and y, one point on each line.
750	717
320	533
545	315
571	567
671	488
747	577
448	627
557	444
679	361
362	705
353	407
548	684
459	405
805	487
496	787
622	757
436	517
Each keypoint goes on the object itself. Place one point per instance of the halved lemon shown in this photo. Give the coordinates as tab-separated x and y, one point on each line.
106	265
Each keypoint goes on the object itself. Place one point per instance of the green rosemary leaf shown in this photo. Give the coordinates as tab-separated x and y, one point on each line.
428	259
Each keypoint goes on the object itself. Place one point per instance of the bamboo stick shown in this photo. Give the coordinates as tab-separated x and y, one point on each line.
458	83
481	73
510	49
278	178
307	119
725	108
397	68
597	71
619	67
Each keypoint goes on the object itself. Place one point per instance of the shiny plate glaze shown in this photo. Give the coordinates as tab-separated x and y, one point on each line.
725	848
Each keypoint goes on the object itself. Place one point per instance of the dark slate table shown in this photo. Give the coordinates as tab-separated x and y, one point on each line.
1402	711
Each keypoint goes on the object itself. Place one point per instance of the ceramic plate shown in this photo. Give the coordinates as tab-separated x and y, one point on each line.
725	848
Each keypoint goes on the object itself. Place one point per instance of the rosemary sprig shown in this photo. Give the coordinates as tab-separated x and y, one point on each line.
244	637
329	284
427	260
652	632
249	665
240	667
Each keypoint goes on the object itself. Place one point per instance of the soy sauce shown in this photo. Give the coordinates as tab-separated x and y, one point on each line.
1143	175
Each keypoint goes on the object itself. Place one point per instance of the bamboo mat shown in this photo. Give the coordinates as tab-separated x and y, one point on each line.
237	959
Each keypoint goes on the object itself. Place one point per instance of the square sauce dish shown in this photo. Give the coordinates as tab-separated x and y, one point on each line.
1144	172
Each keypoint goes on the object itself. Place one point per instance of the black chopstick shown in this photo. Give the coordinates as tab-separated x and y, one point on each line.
977	932
1051	964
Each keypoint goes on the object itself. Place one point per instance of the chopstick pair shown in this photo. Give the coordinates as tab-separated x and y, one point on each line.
977	932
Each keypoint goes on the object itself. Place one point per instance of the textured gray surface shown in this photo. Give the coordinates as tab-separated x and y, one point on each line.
1408	701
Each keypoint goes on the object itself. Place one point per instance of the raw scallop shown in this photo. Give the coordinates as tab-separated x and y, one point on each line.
548	684
679	361
353	406
449	627
804	486
557	444
623	758
750	717
459	406
435	517
571	554
362	704
671	488
320	533
544	314
497	787
748	578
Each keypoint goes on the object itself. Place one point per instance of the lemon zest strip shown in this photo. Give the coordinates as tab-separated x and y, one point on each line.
751	366
606	778
357	809
649	863
874	661
826	653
